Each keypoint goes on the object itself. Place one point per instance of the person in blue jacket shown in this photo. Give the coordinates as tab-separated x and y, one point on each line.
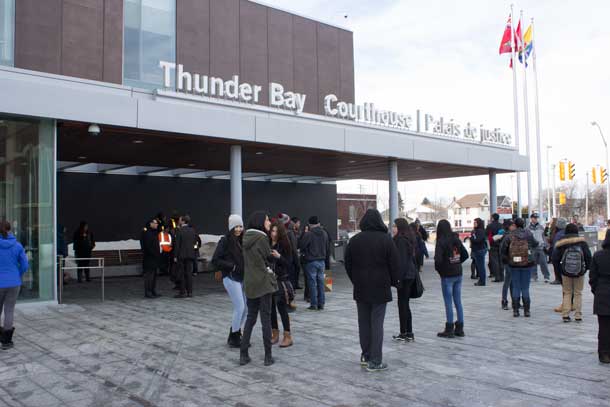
13	264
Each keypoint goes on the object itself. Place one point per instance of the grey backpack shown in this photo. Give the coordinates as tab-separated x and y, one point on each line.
573	261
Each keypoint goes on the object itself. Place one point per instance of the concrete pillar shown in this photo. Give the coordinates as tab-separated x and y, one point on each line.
393	179
236	181
493	193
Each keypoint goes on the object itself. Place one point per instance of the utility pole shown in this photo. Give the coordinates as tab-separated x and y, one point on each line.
550	211
554	193
587	201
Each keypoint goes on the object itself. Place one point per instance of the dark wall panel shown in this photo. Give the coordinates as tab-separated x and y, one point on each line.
329	79
38	35
346	61
193	35
82	38
117	206
113	41
281	55
224	38
305	62
254	58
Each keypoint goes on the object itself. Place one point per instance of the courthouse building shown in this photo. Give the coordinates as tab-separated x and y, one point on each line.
114	110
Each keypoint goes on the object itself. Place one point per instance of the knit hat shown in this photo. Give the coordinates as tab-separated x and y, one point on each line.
314	220
562	223
234	221
284	218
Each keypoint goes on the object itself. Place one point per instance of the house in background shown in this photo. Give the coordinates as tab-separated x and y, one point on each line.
427	213
462	212
351	208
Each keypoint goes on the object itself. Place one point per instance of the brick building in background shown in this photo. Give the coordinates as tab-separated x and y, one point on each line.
351	208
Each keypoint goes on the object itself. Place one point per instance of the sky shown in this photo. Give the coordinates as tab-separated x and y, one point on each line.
442	57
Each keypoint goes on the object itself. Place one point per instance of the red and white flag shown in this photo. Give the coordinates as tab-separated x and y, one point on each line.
506	45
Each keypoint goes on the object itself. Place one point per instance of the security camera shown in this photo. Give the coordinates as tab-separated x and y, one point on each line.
94	130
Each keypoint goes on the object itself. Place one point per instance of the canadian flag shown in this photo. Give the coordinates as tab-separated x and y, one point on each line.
506	45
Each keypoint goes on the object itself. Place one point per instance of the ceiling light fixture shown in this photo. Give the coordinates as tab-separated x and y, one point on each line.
352	161
82	157
259	153
191	165
138	141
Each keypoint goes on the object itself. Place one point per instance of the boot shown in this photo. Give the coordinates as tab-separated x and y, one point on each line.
459	329
515	309
244	358
558	309
234	340
7	338
504	305
275	336
269	359
448	332
287	341
604	358
526	308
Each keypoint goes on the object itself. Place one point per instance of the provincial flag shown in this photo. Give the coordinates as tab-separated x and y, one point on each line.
506	45
528	45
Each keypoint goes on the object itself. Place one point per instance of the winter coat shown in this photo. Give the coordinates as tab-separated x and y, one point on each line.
282	267
538	232
294	243
315	246
259	278
493	229
420	250
13	262
571	240
478	240
406	258
599	279
372	261
229	258
444	251
83	244
151	250
520	234
186	241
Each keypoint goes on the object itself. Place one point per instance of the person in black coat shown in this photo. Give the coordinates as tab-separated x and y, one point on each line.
281	263
84	243
371	262
184	254
405	241
478	247
599	279
151	258
495	262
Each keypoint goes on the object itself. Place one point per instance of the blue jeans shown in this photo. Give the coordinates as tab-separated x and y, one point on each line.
452	294
521	282
479	260
507	283
315	276
238	298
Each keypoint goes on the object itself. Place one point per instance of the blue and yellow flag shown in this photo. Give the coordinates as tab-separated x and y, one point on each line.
528	45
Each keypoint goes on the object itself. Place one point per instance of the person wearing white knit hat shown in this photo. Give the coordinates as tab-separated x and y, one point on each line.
228	259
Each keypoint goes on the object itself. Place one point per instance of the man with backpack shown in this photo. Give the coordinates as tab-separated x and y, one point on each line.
573	255
517	252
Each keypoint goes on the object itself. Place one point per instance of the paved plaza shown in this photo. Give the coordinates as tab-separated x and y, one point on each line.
134	352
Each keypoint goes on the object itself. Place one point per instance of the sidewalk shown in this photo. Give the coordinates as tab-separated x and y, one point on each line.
167	352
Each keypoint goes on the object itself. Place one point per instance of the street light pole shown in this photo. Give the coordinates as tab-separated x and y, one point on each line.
601	133
550	212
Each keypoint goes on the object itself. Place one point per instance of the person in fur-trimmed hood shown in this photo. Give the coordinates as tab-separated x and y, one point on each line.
574	257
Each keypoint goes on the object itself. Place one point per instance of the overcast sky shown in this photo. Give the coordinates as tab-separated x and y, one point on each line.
442	57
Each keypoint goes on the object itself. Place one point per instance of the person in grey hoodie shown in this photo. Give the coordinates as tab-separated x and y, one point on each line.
539	256
259	283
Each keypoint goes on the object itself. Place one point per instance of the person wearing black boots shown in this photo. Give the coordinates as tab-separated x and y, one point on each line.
229	260
405	241
259	282
449	255
599	280
13	264
151	258
478	248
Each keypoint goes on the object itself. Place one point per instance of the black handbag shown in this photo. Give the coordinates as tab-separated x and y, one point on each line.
417	289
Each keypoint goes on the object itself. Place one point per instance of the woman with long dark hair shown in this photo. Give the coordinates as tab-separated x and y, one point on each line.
405	241
449	255
421	250
13	264
229	259
83	248
281	250
259	282
478	247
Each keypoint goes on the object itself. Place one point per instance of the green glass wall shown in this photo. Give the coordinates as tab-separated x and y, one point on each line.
27	187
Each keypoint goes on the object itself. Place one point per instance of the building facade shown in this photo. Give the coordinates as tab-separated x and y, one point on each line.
462	212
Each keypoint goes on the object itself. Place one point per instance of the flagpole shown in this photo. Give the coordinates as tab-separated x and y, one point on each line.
537	112
527	124
516	110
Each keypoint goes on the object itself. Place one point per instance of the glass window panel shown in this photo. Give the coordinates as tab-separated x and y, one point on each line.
26	198
149	37
7	32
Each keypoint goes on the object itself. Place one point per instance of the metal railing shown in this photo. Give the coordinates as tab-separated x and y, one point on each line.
61	261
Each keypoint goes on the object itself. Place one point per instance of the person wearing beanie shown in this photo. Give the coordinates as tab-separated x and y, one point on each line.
229	260
315	247
517	251
559	234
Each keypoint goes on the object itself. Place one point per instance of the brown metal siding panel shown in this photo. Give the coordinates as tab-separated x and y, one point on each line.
305	62
346	57
38	35
82	38
193	35
113	41
224	38
253	57
281	56
329	78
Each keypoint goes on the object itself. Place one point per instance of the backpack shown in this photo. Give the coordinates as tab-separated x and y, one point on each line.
519	252
573	261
